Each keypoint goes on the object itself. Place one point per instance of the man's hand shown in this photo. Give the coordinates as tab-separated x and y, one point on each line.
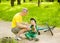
26	26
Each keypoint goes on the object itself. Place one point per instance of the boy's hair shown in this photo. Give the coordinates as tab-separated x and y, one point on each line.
33	19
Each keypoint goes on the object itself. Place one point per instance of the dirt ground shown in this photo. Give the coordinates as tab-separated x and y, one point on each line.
45	37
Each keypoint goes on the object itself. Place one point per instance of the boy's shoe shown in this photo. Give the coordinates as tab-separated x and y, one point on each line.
18	38
31	39
36	39
38	33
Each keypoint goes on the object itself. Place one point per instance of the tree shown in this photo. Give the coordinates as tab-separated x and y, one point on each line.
58	1
24	0
38	3
7	0
12	2
0	1
41	0
30	0
18	2
50	0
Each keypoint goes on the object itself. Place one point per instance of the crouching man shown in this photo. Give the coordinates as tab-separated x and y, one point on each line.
17	26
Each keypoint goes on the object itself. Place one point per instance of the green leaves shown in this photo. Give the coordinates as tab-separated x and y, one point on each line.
8	40
47	12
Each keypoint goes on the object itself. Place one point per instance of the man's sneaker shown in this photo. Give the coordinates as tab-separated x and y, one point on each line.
18	38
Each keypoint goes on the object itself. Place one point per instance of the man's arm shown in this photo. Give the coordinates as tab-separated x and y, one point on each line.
20	25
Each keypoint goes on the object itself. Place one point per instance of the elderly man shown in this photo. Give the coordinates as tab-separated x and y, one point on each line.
17	26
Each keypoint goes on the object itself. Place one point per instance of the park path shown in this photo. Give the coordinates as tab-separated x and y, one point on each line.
5	30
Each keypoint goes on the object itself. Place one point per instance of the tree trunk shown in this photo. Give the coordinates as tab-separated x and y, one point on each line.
12	2
59	1
0	1
18	2
24	0
38	3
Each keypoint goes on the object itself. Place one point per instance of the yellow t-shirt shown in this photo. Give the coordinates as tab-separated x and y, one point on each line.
16	19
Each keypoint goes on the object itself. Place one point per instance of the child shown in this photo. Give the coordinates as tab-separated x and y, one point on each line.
31	34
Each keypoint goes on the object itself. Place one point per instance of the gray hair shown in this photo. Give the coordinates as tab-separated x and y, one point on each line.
25	9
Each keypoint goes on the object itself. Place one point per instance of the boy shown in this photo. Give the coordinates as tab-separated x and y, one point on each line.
31	34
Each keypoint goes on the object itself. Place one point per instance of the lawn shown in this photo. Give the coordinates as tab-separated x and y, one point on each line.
47	12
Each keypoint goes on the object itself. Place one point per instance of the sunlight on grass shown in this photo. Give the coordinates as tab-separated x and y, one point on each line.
47	12
0	19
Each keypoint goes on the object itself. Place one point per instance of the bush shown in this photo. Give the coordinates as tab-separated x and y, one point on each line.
8	40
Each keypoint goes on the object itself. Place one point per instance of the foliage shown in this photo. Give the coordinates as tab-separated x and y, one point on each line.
47	12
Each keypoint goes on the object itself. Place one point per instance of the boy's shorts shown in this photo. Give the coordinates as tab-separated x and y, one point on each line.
15	30
30	35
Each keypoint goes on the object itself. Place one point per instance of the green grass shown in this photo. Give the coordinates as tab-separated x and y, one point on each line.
47	12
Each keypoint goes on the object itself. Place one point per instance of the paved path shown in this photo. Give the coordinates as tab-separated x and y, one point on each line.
5	30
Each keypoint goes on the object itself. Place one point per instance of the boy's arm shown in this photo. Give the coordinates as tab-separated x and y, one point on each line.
34	29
